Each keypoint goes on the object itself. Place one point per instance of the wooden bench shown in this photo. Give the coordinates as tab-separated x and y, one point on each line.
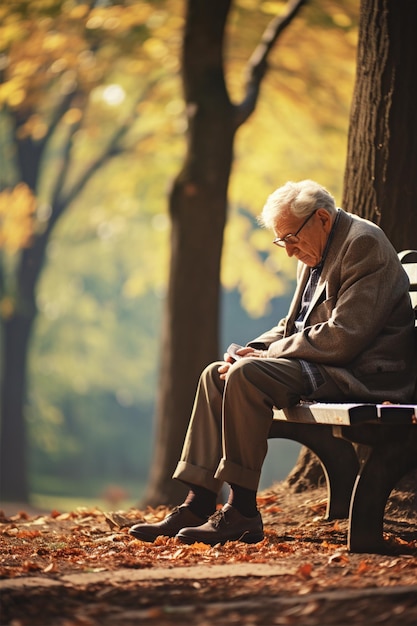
364	450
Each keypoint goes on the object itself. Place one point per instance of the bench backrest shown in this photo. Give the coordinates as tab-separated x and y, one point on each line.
409	260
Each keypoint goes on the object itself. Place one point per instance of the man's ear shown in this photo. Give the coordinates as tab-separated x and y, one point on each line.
325	218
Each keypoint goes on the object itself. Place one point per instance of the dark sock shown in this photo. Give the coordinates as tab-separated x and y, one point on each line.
201	501
244	500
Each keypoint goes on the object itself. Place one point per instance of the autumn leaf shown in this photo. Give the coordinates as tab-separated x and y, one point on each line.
116	520
319	507
17	209
273	509
339	558
362	567
305	570
266	499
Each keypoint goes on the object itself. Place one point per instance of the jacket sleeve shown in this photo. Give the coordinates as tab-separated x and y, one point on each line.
270	336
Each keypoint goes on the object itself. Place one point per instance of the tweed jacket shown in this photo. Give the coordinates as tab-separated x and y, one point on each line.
360	323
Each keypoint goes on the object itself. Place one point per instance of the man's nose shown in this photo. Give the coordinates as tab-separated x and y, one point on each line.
289	249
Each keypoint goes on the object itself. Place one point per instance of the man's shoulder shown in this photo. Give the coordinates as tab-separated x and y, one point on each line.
356	227
362	244
358	222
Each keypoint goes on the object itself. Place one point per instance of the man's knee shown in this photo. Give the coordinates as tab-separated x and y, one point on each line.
210	374
244	368
279	379
245	373
211	369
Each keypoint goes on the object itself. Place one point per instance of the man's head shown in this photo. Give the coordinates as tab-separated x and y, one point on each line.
301	216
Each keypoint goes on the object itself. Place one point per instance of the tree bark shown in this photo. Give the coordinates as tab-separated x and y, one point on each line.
197	207
306	473
16	334
380	177
13	440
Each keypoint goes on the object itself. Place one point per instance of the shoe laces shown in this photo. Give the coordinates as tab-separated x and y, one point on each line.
174	511
217	518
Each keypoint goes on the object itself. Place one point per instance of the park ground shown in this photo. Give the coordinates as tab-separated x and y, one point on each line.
82	568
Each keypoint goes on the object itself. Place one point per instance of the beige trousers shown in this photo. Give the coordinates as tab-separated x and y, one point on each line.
227	437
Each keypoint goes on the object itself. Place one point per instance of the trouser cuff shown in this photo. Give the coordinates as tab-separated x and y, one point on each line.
195	475
236	474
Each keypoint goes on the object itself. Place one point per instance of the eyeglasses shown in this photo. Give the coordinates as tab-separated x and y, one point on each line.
291	238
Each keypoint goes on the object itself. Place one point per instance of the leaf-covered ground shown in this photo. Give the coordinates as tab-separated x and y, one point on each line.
83	568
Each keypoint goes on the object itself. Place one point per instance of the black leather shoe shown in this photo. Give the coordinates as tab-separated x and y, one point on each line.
180	517
225	525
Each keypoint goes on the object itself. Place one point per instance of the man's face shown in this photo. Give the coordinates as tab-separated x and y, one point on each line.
309	244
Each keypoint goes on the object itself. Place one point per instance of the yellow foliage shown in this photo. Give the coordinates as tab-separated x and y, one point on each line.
12	92
17	209
54	41
72	116
78	12
35	127
155	48
7	307
274	8
48	47
262	279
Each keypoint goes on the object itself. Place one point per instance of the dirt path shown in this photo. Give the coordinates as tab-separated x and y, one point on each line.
84	569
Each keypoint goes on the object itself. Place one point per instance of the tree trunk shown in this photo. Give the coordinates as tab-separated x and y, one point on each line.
13	441
198	204
16	333
306	473
380	176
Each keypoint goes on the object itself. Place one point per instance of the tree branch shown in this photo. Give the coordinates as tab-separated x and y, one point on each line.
32	258
114	148
258	63
2	280
57	117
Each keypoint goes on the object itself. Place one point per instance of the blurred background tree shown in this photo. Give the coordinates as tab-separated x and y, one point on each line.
75	80
92	132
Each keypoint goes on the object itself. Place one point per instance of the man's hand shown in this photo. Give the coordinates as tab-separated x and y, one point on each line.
242	352
225	367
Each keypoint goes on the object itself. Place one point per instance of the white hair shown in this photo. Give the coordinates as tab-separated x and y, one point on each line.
300	199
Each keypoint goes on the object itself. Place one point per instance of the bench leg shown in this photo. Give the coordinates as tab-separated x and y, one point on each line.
382	467
337	457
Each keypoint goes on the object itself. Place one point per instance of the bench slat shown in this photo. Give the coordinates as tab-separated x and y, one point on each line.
347	414
411	269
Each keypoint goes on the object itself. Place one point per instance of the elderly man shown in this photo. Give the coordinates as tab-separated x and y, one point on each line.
347	336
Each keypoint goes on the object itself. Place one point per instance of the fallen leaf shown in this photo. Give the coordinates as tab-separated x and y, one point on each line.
362	567
116	520
273	509
266	499
319	507
48	568
305	570
338	558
